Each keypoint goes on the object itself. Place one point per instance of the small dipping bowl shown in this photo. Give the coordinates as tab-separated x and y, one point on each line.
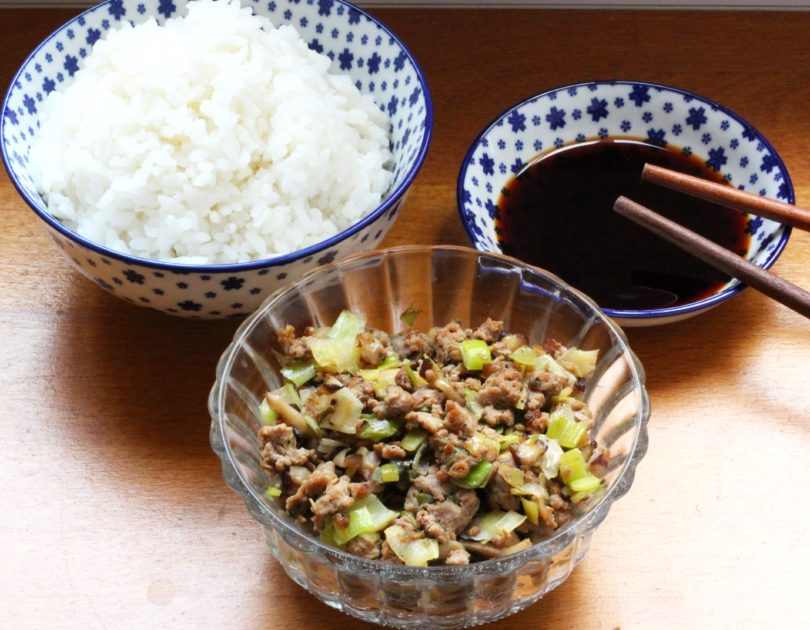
656	114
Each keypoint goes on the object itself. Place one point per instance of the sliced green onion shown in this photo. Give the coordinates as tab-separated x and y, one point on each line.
366	516
564	428
416	552
526	356
409	316
269	415
272	491
588	483
509	439
581	363
477	477
532	511
475	353
416	380
573	466
413	439
496	524
346	416
299	373
376	430
386	473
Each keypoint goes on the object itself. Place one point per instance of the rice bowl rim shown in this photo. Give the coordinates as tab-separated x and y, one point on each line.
370	218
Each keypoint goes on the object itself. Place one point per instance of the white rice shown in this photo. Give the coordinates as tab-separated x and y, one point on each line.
215	138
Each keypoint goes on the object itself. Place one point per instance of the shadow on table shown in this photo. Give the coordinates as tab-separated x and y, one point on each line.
131	386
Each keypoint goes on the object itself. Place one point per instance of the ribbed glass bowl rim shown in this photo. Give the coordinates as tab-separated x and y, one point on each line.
543	549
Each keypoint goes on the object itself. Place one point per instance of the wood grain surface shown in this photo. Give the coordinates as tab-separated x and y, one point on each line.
114	511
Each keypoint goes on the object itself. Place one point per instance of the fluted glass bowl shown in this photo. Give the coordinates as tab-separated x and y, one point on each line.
444	283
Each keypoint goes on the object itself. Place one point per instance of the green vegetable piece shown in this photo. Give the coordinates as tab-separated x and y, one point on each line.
414	552
273	492
416	380
588	483
269	415
365	517
477	477
496	524
581	363
328	536
347	325
564	428
532	511
346	416
525	356
335	349
299	373
573	466
389	473
508	439
376	430
409	316
424	497
413	440
475	353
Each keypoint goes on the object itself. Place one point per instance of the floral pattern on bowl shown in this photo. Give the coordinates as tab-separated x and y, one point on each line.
657	114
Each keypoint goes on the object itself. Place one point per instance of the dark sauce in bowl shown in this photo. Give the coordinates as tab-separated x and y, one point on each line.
557	213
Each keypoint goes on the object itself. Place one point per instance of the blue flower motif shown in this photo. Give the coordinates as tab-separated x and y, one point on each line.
325	7
754	223
105	285
558	142
346	58
316	46
166	8
647	117
117	9
753	179
518	145
517	121
399	62
189	305
743	162
686	151
334	33
30	105
60	46
327	257
556	118
491	208
502	168
625	126
354	16
697	117
639	95
474	181
734	143
93	36
71	64
618	102
536	120
602	133
414	97
717	158
501	144
141	8
656	137
576	114
133	276
724	125
392	105
537	146
580	137
233	283
517	166
572	91
668	107
749	133
487	163
783	191
597	109
374	63
706	138
768	163
676	130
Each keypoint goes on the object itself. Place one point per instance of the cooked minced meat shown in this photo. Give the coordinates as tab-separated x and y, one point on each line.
444	446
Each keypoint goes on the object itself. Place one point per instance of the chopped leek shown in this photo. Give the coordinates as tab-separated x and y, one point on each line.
496	524
525	356
346	416
477	477
564	428
532	511
288	394
573	466
335	349
515	477
348	324
365	516
545	362
472	404
479	445
386	473
413	439
550	464
588	483
414	552
409	316
376	430
509	439
581	363
475	353
269	415
273	492
532	490
299	373
288	414
416	380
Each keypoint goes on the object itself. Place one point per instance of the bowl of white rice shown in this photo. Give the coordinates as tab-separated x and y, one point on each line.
195	156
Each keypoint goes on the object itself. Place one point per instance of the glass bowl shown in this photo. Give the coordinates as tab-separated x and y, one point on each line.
444	284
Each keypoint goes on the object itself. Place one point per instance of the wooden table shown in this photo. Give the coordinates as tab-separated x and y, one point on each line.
114	512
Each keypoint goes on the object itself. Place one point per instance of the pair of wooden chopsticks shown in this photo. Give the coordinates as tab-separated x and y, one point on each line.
770	284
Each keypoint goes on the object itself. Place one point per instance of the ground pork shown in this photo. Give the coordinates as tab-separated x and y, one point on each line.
444	520
427	421
280	449
396	403
314	485
411	343
447	343
294	347
503	388
495	417
373	346
364	548
458	420
490	331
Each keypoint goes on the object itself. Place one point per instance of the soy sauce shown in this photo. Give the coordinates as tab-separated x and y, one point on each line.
557	213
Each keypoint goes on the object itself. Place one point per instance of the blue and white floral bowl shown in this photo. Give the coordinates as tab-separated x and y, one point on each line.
606	109
359	45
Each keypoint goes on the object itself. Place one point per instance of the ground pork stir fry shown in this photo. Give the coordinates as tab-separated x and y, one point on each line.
438	447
